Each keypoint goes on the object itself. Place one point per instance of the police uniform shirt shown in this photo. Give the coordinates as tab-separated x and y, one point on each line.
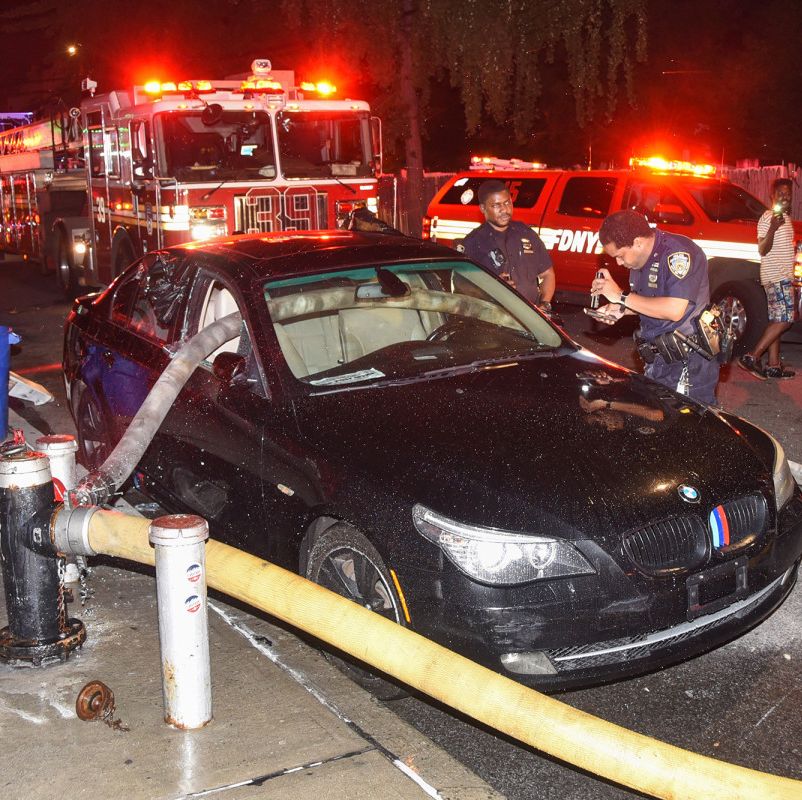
517	250
677	267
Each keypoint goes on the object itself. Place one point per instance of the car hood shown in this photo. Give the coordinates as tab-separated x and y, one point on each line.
567	442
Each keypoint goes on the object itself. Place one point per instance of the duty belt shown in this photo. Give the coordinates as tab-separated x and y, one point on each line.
672	346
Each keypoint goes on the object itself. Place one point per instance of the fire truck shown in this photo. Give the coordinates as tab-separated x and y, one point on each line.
90	190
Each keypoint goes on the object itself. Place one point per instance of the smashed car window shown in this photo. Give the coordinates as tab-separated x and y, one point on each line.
400	321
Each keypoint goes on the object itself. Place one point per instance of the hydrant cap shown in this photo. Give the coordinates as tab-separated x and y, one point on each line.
57	444
178	530
24	470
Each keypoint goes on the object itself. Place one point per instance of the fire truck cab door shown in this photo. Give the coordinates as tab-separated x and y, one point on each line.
102	163
144	186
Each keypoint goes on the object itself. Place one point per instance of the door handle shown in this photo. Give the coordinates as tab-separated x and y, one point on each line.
108	358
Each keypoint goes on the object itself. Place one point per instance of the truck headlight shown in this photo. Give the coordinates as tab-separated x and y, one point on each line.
497	557
207	222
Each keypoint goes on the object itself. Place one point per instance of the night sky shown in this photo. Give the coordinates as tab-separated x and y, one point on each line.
721	81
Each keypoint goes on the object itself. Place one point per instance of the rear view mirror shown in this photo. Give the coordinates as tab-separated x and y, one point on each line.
227	366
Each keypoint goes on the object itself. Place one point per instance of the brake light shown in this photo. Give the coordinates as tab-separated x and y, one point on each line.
426	233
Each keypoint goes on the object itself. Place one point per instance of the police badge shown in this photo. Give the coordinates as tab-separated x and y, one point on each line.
679	264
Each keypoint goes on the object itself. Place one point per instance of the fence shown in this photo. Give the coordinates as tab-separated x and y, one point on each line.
756	180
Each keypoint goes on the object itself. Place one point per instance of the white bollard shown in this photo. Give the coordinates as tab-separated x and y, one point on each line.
183	618
60	449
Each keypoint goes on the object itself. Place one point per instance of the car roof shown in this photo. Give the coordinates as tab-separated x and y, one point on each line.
276	254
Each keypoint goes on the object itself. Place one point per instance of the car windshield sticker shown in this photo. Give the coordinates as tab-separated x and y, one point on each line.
679	264
351	377
466	197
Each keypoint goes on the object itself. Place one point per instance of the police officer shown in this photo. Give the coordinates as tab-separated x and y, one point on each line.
510	248
669	288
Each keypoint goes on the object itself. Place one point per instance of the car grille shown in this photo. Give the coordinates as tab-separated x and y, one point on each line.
682	544
266	210
670	546
746	518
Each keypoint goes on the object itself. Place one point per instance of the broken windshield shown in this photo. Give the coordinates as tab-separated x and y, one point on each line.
401	321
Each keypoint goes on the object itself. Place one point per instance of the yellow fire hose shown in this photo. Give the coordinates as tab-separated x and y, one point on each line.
610	751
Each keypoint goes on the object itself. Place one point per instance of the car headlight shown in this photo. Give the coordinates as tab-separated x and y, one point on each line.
784	482
499	557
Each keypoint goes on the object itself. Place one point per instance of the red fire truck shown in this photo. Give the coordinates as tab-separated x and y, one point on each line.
88	191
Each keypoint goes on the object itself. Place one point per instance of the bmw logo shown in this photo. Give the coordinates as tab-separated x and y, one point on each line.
690	494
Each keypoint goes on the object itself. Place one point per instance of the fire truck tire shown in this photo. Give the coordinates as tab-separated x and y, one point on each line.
743	307
65	271
123	254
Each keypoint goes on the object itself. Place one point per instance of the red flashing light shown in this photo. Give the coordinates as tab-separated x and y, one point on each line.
261	85
324	88
660	164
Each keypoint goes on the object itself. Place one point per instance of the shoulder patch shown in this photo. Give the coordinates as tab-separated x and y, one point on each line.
459	247
679	264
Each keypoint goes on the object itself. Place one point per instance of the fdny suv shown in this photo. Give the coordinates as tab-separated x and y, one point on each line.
566	209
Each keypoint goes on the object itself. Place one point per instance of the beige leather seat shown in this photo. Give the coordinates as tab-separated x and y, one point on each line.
219	303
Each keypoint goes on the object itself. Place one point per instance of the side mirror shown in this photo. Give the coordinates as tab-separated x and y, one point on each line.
227	366
212	114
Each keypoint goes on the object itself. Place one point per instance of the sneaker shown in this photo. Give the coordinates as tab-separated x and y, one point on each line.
779	371
748	363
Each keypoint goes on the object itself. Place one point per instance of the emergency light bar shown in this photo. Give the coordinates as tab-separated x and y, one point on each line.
321	87
491	162
664	165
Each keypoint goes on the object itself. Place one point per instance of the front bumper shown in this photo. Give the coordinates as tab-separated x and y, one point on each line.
595	629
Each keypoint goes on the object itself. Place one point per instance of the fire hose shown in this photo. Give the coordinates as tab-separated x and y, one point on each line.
603	748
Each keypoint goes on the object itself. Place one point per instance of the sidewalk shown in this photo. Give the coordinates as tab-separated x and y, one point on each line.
287	724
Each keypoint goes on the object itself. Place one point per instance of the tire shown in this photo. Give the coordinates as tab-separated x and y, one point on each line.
123	255
65	271
94	436
344	561
743	308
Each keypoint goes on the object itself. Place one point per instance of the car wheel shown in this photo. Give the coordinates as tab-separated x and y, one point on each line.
743	311
94	438
65	272
344	561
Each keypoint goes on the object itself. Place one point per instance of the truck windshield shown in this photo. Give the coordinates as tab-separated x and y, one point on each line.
323	144
236	146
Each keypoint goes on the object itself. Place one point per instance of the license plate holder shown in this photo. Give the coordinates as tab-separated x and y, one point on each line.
717	587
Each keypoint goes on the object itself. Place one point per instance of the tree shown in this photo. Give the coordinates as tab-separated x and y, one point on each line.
493	52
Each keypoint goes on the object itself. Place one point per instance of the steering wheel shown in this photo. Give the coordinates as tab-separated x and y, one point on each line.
449	329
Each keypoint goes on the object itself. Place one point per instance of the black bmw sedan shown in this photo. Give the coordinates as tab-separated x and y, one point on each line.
397	424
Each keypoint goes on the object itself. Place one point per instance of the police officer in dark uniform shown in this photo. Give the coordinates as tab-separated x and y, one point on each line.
669	288
510	248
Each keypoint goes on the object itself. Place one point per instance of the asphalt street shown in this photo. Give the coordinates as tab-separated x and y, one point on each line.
738	703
